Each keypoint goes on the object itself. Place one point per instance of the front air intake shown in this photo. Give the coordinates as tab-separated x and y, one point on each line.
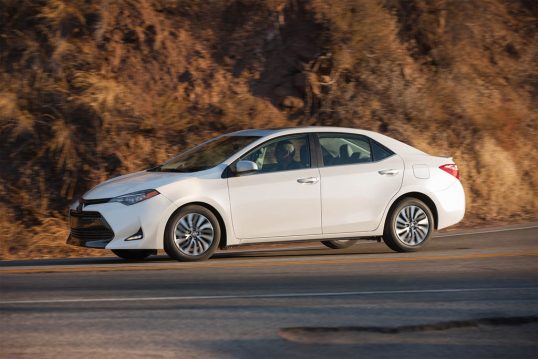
89	226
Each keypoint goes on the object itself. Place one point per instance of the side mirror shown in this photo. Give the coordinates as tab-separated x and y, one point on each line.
244	167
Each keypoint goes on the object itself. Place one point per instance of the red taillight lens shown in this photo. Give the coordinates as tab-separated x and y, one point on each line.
451	169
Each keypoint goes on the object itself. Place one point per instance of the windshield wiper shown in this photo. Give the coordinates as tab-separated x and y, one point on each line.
176	170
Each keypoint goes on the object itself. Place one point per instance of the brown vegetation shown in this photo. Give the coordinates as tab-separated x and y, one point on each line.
92	89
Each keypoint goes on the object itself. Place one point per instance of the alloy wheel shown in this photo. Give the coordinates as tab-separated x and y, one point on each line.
412	225
194	234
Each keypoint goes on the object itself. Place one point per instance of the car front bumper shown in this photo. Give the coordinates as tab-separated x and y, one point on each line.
117	226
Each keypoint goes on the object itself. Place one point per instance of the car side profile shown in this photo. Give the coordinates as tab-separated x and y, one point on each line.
328	184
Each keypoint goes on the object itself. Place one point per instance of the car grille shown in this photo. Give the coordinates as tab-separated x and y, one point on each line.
89	226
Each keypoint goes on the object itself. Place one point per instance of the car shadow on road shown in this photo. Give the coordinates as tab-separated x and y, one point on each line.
366	248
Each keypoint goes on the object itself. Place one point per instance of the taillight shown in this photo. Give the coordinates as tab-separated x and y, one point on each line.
451	169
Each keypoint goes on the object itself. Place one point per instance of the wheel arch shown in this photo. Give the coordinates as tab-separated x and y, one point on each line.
223	240
420	196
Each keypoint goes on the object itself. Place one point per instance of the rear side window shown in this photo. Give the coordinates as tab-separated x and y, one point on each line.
342	149
379	151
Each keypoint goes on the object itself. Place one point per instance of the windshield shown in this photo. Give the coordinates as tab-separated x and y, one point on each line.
206	155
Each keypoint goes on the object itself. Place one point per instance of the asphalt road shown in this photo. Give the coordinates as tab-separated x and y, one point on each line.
468	295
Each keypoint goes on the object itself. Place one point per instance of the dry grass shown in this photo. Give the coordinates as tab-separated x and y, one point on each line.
92	89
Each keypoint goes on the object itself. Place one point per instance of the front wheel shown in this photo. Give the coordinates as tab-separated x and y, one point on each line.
134	254
339	243
409	226
192	234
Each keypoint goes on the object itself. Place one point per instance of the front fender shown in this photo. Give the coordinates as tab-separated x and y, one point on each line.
195	191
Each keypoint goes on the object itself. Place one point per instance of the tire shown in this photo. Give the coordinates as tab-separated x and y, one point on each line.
339	243
134	254
192	234
409	226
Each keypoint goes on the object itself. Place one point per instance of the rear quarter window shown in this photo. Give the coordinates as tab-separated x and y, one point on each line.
379	151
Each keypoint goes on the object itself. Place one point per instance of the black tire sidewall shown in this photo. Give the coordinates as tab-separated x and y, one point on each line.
391	238
170	246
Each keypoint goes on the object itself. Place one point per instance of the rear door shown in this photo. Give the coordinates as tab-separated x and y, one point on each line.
358	179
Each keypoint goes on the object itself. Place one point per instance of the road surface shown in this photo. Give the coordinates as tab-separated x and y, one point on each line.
466	295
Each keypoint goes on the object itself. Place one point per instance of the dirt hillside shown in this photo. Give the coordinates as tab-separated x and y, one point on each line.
93	89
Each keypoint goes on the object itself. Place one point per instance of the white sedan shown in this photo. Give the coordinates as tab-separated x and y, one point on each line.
334	185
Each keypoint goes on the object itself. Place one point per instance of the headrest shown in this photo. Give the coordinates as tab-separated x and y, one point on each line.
345	151
285	148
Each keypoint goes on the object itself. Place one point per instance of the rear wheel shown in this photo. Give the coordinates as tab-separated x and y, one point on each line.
192	234
134	254
409	226
339	243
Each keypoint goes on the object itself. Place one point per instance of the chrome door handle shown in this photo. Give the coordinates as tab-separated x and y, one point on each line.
310	180
390	172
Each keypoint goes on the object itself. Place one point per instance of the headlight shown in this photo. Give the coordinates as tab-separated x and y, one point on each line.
135	197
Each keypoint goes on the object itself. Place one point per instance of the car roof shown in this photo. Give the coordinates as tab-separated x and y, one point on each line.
395	145
305	129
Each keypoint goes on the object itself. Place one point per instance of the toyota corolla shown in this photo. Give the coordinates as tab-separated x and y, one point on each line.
333	185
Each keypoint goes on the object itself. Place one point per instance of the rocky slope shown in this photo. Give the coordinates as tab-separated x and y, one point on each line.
92	89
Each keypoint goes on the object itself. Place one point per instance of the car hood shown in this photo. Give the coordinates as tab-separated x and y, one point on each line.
133	182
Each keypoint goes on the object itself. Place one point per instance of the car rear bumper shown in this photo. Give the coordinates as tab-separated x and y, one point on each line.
450	205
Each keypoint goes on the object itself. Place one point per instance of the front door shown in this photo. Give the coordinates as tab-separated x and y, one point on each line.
282	198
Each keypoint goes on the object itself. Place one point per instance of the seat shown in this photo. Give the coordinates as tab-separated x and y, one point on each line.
345	154
355	158
304	156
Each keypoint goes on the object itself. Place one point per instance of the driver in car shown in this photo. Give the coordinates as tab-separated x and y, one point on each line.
284	153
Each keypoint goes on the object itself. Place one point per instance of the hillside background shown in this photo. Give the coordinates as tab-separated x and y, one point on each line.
94	89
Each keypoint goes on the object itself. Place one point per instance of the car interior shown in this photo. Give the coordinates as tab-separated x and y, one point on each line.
336	150
266	157
341	151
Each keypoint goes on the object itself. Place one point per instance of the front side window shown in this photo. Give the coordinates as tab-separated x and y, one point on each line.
343	149
282	154
206	155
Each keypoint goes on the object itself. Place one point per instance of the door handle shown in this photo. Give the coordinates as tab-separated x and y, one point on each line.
390	172
310	180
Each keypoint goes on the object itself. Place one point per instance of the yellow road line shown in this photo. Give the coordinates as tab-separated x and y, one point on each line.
121	267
